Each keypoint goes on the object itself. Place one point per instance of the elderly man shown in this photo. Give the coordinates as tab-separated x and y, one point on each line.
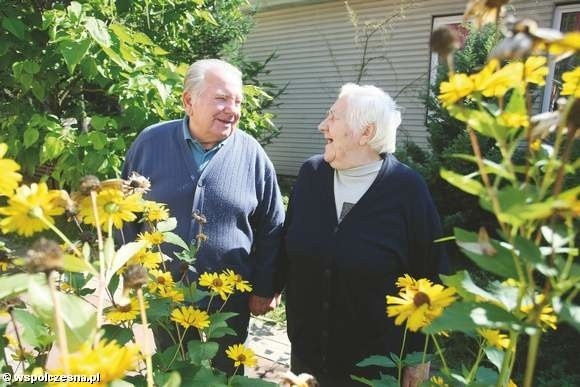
201	166
357	220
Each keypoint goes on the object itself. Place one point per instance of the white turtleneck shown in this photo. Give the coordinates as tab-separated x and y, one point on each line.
351	184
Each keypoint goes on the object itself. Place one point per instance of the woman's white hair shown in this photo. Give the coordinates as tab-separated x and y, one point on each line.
369	105
195	76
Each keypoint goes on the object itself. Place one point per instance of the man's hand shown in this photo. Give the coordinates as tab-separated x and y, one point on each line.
262	305
413	376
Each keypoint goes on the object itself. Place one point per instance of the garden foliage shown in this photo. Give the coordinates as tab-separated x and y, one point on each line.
80	79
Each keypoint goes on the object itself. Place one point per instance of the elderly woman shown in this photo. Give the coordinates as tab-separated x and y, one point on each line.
357	220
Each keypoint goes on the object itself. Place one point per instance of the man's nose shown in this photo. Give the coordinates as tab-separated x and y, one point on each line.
323	126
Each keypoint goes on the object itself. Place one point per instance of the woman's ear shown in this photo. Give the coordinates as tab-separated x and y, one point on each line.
368	133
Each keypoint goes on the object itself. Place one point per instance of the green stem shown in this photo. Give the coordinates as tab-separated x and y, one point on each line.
400	362
425	348
532	357
443	362
101	254
146	350
61	235
60	331
507	363
473	370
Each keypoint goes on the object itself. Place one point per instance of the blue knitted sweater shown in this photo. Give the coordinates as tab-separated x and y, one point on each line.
237	192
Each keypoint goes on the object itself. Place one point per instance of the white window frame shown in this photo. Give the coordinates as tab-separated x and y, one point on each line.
556	24
440	21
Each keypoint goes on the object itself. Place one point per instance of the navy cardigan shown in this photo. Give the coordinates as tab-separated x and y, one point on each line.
337	275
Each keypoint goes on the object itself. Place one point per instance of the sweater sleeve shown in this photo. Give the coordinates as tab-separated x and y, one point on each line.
268	220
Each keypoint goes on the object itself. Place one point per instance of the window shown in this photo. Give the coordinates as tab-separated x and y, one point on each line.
566	19
453	22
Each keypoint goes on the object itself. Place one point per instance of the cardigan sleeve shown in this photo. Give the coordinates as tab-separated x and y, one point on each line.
268	220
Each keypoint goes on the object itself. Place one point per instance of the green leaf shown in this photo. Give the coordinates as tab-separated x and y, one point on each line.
31	135
495	356
120	334
377	360
205	377
220	331
78	265
51	149
167	225
158	309
517	103
174	380
15	27
489	166
567	312
13	284
486	376
73	52
480	121
244	381
198	351
464	183
31	329
530	253
194	295
384	381
114	56
206	15
174	239
500	263
122	33
98	139
39	90
122	255
469	316
98	31
75	10
465	286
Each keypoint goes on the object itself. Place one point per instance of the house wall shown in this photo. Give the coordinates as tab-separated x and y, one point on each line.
316	53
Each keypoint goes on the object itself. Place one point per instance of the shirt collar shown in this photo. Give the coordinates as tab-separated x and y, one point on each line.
196	144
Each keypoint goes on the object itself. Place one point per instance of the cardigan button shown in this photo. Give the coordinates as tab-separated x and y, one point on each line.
200	183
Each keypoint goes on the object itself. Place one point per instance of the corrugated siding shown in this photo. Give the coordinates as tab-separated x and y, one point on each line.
316	54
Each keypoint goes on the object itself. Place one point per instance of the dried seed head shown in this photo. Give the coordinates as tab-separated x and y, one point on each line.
45	256
7	304
88	184
444	41
513	47
484	243
136	184
88	236
496	3
201	237
199	217
135	277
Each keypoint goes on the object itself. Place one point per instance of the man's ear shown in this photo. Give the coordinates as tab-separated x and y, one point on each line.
368	133
186	100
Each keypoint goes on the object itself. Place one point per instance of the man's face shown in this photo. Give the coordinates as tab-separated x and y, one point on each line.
215	113
341	140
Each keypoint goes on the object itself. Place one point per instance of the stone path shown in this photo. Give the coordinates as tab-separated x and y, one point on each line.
270	343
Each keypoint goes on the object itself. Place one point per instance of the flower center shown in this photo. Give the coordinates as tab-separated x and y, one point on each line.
420	299
217	283
161	280
36	212
242	357
124	308
111	207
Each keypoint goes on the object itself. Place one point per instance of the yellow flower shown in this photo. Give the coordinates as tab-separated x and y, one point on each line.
155	212
438	381
122	313
458	87
190	317
152	238
514	120
480	78
27	207
547	316
3	266
484	11
536	145
217	283
406	282
110	360
421	305
149	259
237	281
111	206
161	280
535	70
174	294
9	178
571	83
512	384
565	46
241	355
499	82
494	338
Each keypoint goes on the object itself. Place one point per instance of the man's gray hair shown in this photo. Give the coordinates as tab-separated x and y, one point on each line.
195	76
369	105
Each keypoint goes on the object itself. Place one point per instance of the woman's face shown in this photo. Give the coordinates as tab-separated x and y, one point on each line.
341	140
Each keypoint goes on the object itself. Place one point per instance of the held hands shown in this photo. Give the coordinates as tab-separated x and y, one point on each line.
413	376
262	305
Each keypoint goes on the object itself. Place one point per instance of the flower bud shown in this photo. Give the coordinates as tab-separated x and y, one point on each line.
45	256
88	184
135	277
